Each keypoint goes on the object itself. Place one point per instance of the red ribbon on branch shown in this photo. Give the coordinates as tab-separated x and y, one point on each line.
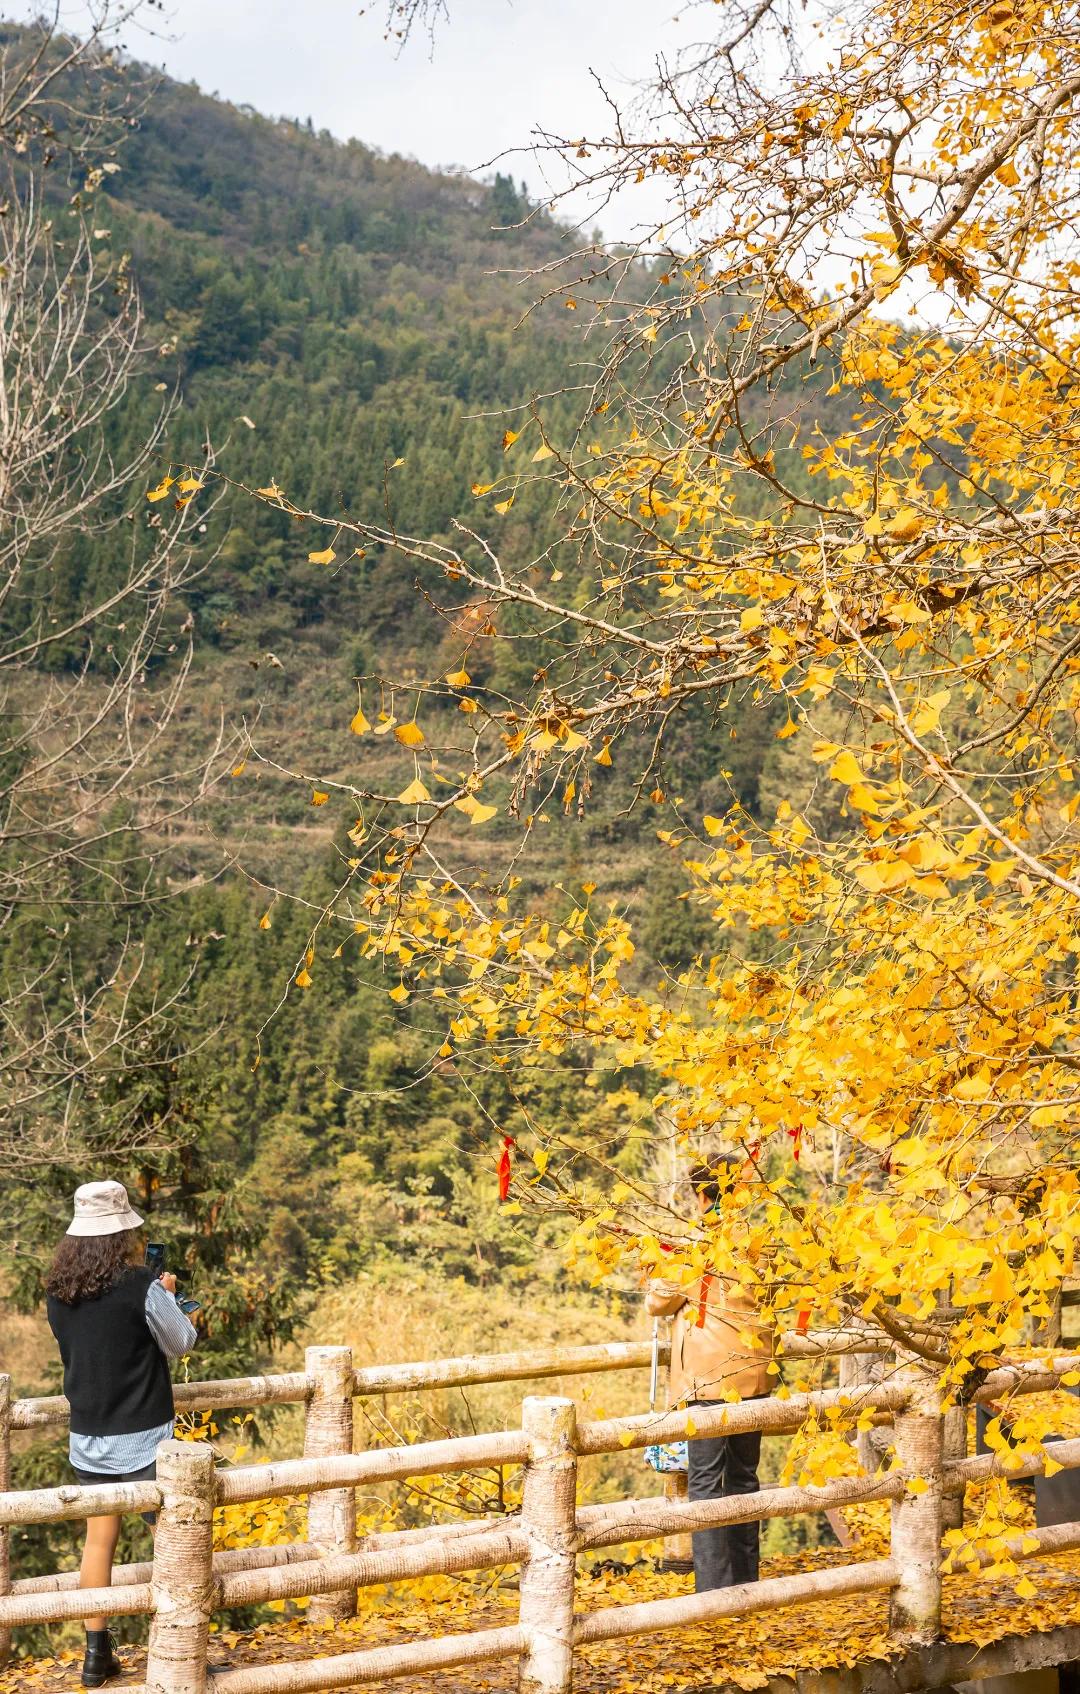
505	1168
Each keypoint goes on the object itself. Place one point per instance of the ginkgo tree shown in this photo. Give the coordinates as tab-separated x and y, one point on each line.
828	458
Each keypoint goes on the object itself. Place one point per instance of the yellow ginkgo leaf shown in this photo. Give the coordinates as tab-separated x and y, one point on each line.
504	505
509	438
906	525
188	484
481	814
400	993
543	452
466	705
927	714
845	768
161	490
409	734
265	921
459	679
864	799
415	794
302	978
909	611
319	797
604	755
238	770
271	492
359	724
326	557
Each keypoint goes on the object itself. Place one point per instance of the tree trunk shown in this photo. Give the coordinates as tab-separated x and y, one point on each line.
955	1441
915	1605
1047	1333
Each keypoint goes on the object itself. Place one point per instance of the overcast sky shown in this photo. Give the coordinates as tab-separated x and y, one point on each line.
496	71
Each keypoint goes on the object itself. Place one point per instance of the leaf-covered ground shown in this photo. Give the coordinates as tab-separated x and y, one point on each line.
741	1652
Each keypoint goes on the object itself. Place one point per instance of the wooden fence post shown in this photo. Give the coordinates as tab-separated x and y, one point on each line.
5	1483
549	1519
328	1428
918	1437
183	1572
678	1549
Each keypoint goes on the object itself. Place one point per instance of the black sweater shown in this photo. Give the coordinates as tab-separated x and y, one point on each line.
116	1377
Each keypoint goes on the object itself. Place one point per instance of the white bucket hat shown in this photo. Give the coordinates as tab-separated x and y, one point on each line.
102	1208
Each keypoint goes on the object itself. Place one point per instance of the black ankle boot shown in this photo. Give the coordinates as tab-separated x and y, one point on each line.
101	1661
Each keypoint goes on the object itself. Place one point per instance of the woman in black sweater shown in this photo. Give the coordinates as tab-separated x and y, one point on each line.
117	1324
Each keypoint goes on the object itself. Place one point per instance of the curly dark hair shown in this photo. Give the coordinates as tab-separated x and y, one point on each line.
85	1266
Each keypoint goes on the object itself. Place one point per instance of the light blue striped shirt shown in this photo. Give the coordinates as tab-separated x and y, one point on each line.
118	1455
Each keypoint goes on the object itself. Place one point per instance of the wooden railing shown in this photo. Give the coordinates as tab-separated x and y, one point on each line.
187	1582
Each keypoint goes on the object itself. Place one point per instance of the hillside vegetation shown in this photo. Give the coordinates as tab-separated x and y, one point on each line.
355	327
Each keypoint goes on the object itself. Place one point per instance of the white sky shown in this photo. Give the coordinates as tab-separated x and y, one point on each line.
497	70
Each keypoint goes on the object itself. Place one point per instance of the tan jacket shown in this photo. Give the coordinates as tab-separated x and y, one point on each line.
719	1345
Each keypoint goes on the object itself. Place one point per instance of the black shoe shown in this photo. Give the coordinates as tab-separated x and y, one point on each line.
101	1662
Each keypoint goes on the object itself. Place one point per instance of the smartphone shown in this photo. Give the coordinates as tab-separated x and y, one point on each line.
155	1261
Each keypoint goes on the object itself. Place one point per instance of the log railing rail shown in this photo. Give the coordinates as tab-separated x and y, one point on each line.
187	1582
414	1377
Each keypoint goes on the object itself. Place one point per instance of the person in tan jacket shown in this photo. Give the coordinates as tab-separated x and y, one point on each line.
720	1348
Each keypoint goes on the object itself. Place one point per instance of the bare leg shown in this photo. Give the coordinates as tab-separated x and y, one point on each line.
102	1534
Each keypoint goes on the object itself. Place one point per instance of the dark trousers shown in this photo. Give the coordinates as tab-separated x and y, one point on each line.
718	1466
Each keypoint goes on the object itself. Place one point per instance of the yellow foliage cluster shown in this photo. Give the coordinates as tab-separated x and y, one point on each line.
885	1027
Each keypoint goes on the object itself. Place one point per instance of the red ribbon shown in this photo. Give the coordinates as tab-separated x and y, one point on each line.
505	1170
802	1322
796	1140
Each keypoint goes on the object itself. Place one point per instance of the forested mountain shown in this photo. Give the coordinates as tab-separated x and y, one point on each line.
348	325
